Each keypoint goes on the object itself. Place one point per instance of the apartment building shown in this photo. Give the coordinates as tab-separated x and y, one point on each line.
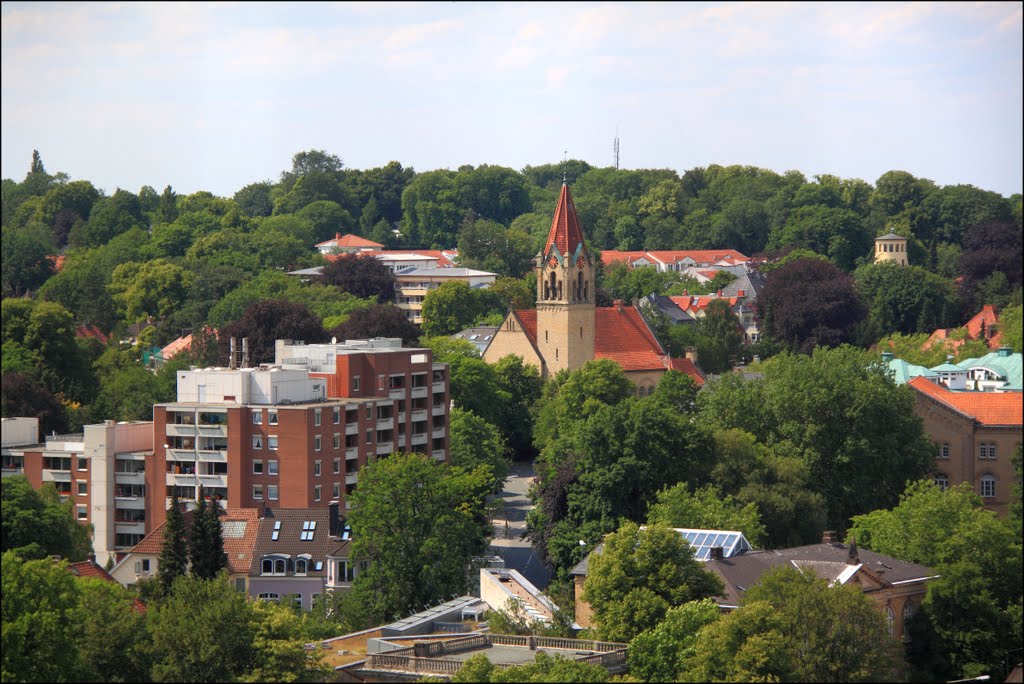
102	470
409	393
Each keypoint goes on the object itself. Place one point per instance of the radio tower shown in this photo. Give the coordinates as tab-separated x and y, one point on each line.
616	148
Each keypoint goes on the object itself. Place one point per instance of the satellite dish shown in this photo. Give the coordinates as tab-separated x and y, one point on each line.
334	340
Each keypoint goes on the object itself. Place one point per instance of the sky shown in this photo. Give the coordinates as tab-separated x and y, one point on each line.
214	96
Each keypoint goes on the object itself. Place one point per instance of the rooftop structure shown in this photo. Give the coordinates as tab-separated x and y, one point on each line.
347	243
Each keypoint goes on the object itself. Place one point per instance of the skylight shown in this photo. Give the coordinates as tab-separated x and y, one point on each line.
308	529
702	541
277	531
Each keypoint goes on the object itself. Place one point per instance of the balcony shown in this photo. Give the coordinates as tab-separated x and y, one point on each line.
439	410
386	424
397	393
419	393
421	438
351	478
439	387
130	478
129	527
12	471
439	455
438	433
133	502
56	476
213	480
352	429
419	416
401	441
385	447
401	416
352	453
191	480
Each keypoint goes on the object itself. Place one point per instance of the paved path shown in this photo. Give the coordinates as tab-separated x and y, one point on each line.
510	524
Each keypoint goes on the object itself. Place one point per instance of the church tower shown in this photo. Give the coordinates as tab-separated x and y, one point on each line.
565	292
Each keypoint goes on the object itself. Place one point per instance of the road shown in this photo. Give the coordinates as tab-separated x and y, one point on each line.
510	524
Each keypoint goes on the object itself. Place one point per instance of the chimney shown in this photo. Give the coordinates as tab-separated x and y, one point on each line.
1005	351
719	293
853	558
337	236
691	354
245	352
828	536
618	304
232	359
717	553
887	356
334	521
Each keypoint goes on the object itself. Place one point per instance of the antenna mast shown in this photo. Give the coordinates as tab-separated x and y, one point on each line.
616	148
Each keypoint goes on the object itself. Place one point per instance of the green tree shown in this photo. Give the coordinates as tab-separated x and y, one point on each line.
327	219
706	508
544	668
418	522
362	275
266	321
378	320
206	543
661	654
522	383
37	524
173	561
113	642
793	626
476	442
970	608
152	289
202	632
903	299
25	259
279	645
41	629
455	305
638	575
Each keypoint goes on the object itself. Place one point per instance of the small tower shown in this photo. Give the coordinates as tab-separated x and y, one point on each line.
565	292
891	247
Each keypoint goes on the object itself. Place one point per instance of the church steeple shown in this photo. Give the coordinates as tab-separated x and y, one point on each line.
565	233
565	291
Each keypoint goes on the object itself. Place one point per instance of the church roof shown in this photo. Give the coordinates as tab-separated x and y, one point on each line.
565	230
620	334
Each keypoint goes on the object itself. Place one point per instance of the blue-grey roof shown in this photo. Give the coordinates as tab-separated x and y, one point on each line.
1008	365
904	372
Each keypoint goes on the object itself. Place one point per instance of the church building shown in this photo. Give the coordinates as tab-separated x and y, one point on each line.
566	329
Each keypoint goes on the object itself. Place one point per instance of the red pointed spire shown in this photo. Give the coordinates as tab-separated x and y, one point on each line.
565	228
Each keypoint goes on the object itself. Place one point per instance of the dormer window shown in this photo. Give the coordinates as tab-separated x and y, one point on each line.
273	565
300	566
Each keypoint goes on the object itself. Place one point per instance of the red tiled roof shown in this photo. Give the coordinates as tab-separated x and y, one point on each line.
90	330
348	240
701	256
565	230
89	568
987	315
57	261
442	259
238	549
686	366
528	319
611	256
988	408
181	344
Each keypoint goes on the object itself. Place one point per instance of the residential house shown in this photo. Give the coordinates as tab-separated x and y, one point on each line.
348	244
897	587
239	528
983	326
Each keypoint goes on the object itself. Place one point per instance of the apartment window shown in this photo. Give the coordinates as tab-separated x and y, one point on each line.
269	596
240	584
272	417
337	440
257	492
336	492
272	492
316	468
317	443
272	467
988	486
944	451
369	412
272	442
316	417
346	571
355	383
337	415
83	464
257	467
257	441
337	466
83	488
257	417
369	436
942	481
82	512
316	493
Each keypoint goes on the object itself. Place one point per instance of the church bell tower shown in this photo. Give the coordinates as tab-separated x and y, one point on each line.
565	292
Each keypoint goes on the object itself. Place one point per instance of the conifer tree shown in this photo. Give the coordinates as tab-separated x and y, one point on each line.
173	560
199	550
218	559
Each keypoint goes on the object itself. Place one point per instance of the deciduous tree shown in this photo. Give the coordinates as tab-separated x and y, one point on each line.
362	275
379	320
266	321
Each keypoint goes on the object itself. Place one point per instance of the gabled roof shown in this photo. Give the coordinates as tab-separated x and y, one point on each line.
830	561
622	335
565	233
295	537
988	408
444	257
239	537
90	330
349	240
687	367
179	345
90	569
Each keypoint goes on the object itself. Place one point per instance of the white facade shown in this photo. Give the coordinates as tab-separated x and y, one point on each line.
264	385
19	432
117	454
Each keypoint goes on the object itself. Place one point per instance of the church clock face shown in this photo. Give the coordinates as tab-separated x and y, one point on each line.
553	262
